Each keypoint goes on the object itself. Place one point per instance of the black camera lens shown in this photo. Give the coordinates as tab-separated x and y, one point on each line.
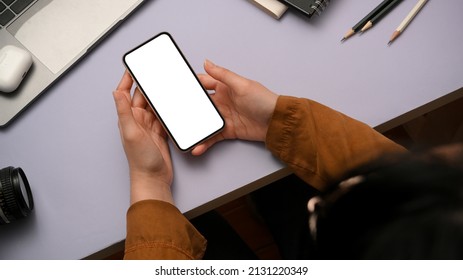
15	195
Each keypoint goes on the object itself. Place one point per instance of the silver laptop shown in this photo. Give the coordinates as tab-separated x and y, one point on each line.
57	33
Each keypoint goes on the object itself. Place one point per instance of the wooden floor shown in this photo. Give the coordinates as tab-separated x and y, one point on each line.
440	126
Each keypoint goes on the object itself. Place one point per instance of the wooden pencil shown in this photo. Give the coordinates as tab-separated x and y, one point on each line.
363	21
380	15
407	20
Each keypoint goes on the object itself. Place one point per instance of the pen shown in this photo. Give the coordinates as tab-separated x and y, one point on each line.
407	20
380	15
361	23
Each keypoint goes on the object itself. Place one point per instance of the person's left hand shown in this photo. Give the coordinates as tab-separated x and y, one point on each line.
145	145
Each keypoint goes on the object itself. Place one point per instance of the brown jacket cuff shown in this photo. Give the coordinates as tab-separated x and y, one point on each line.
158	230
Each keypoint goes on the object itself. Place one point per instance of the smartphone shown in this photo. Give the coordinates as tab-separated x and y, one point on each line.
173	91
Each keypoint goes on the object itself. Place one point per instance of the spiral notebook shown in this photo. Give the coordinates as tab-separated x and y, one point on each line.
308	7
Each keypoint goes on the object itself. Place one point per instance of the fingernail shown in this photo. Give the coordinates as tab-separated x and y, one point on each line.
208	63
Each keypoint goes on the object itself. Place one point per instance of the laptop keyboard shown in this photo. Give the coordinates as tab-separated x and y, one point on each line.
11	9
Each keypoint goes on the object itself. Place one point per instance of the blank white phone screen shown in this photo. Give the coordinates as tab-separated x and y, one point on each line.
173	91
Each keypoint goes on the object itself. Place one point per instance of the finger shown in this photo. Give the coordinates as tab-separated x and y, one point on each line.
138	99
126	82
124	110
203	147
222	74
199	150
207	81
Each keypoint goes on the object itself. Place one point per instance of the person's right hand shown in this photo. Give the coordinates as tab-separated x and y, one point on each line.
246	105
145	145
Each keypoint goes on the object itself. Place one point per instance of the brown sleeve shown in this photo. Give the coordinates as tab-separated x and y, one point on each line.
157	230
320	144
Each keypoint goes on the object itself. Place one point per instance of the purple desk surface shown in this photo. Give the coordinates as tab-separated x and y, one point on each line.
68	141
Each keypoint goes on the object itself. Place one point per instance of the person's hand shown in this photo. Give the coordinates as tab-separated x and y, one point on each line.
246	105
145	145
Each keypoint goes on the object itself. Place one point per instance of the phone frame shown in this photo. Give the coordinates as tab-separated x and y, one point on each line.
153	107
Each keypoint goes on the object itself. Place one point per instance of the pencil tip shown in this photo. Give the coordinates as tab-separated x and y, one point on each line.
343	39
348	34
389	43
367	26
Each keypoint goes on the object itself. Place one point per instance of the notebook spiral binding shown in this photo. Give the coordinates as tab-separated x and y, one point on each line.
319	5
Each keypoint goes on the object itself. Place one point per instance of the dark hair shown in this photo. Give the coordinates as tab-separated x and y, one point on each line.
412	209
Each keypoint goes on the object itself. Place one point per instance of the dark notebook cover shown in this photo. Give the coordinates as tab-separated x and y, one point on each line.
308	7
